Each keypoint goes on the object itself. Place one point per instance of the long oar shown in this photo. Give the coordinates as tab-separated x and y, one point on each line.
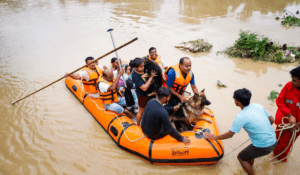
78	69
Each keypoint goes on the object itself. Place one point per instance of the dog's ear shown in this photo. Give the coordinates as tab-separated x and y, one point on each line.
203	90
196	96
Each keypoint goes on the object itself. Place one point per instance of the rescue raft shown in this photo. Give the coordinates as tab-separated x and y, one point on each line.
167	151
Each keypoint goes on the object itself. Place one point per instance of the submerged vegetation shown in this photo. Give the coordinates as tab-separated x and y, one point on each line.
273	95
198	45
290	20
250	45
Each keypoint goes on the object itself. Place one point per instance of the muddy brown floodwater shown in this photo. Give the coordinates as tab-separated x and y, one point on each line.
52	133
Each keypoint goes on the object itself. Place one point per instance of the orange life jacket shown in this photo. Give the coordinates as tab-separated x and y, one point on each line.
110	96
158	59
91	85
180	83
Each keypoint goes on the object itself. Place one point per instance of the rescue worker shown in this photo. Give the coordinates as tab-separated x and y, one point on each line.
288	103
89	77
157	58
110	94
178	78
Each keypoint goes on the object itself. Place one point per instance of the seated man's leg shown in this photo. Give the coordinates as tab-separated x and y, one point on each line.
122	102
114	107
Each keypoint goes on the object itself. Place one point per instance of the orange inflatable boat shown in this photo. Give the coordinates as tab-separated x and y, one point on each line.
167	151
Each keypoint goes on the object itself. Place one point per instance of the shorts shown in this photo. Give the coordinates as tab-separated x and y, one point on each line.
252	152
116	107
144	100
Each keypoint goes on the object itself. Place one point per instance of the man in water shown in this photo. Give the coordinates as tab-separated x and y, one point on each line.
288	103
257	122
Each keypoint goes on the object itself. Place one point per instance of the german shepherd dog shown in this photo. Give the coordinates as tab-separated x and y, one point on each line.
193	109
157	80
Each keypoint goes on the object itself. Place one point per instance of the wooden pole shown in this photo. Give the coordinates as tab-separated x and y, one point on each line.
78	69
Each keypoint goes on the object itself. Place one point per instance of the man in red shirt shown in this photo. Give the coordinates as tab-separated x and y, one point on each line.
288	103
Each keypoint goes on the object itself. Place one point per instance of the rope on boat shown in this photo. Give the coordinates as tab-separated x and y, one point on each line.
119	121
285	126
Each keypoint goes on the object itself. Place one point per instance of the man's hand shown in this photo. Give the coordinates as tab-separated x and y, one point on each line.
66	75
210	135
297	125
186	141
104	68
207	113
164	78
176	107
292	119
121	72
183	99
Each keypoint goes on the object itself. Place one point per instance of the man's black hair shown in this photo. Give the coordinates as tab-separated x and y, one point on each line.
182	59
113	59
163	92
88	58
243	96
151	48
296	72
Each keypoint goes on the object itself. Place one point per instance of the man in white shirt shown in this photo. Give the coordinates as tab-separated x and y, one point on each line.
89	77
110	93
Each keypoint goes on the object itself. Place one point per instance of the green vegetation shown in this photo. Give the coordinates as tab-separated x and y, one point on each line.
273	95
202	45
250	45
198	45
291	21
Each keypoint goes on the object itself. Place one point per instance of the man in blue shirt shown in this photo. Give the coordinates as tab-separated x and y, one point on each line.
179	76
257	122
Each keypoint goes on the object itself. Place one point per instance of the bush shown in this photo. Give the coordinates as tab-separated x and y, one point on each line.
250	45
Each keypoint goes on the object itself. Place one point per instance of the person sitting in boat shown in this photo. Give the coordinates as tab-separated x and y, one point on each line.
178	77
114	68
89	77
110	94
157	58
141	86
156	123
257	122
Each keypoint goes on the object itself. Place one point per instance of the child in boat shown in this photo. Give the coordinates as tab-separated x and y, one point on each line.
257	122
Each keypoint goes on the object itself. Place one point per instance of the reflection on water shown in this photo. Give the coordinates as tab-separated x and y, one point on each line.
193	11
52	133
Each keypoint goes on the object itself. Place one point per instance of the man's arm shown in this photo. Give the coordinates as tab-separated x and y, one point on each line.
173	132
280	101
116	82
227	135
193	85
194	88
271	120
